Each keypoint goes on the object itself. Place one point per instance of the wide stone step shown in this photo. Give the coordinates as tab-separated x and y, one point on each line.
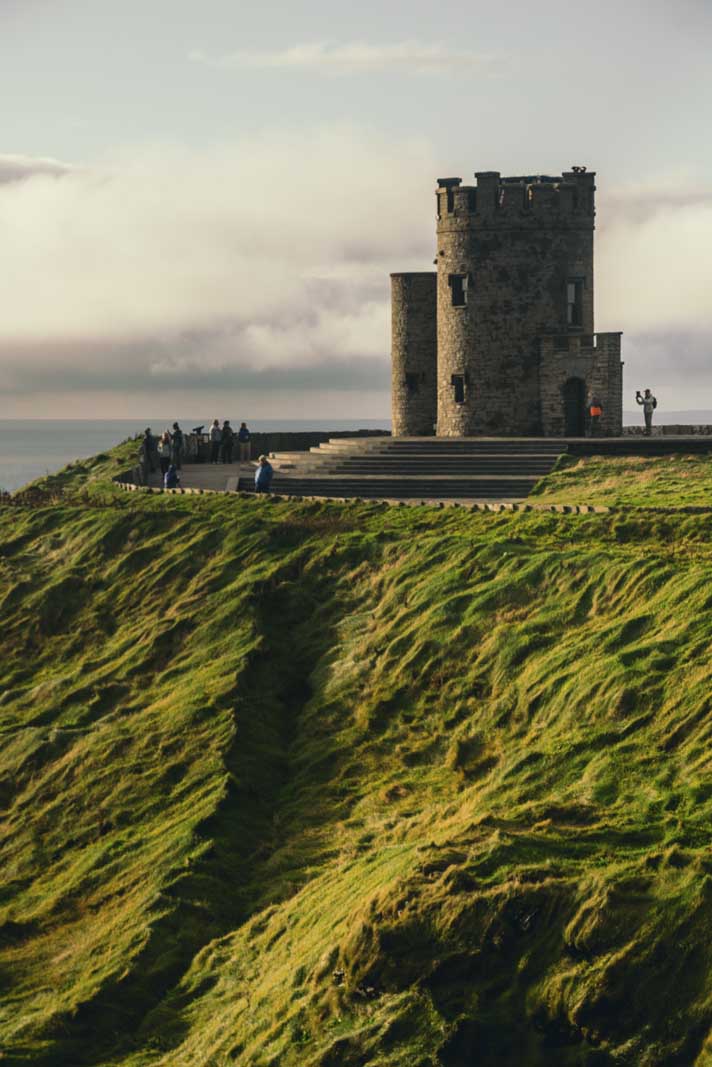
470	449
399	488
438	464
406	456
420	471
435	451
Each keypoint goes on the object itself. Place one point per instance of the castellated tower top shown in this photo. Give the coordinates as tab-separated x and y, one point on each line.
534	199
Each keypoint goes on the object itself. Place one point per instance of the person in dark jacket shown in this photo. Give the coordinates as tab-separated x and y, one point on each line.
263	475
227	441
171	478
243	438
177	445
149	449
215	440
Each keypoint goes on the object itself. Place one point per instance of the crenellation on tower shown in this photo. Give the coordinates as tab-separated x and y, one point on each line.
514	268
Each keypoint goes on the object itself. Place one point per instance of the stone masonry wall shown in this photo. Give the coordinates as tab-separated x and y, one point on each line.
598	366
413	354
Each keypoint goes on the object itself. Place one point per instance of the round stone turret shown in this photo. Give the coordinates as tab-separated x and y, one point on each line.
414	354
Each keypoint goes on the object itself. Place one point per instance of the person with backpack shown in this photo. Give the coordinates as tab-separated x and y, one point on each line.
227	441
649	404
177	444
263	475
215	441
243	439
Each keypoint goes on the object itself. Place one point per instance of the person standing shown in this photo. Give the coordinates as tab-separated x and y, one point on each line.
177	444
243	438
151	445
649	404
148	450
215	439
595	411
164	451
227	440
263	475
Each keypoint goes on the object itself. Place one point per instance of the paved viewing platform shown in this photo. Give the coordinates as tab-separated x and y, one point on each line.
425	468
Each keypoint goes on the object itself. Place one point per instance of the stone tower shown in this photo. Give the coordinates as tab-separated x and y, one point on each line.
515	348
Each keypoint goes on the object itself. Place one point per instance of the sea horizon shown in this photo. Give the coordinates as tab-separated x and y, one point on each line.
30	448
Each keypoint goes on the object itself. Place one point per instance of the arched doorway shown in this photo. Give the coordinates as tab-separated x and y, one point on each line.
574	407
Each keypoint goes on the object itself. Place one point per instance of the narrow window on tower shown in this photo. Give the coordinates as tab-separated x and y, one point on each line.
458	386
574	302
458	289
412	381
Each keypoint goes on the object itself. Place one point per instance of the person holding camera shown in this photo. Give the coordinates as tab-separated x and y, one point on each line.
649	404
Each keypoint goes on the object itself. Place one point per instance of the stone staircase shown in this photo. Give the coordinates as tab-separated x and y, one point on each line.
408	468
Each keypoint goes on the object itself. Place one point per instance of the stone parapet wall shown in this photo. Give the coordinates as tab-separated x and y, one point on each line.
290	441
673	430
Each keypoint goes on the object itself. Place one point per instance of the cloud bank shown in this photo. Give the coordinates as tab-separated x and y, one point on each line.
262	267
18	168
322	57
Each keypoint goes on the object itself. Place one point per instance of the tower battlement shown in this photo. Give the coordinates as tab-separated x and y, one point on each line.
527	200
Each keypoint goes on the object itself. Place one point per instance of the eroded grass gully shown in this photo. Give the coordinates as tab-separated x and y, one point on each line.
227	884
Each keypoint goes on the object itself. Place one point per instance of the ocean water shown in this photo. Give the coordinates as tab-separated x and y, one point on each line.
30	448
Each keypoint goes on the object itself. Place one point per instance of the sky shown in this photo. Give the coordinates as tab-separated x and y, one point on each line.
201	203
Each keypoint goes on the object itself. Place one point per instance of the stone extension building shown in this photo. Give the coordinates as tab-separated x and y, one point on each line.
499	341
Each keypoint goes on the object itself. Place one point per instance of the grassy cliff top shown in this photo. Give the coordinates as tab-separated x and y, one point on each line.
629	481
319	784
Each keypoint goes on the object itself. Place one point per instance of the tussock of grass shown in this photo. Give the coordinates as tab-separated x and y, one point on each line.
321	784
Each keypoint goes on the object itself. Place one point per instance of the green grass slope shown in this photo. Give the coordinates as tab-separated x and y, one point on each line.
629	481
328	785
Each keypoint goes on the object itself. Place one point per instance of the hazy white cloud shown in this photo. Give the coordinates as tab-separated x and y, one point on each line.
352	58
18	168
264	265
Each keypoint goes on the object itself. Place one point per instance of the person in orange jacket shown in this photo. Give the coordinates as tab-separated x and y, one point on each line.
595	411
